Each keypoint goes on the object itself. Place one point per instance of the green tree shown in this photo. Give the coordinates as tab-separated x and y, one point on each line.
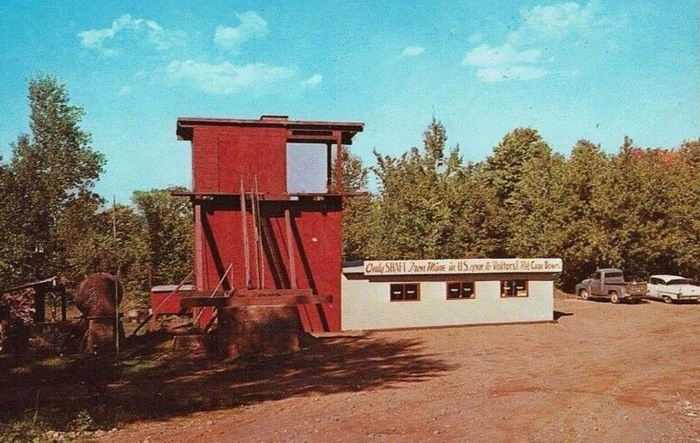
503	169
168	232
14	246
430	204
357	211
584	241
50	169
687	214
476	228
413	217
115	242
359	231
537	213
355	174
689	151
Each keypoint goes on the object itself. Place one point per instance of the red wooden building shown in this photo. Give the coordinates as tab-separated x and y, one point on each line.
252	235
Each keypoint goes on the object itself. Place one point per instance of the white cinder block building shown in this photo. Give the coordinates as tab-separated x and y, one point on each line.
392	294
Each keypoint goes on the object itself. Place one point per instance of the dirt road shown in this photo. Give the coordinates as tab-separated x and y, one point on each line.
603	372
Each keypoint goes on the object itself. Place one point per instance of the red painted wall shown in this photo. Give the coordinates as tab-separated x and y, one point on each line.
317	242
221	155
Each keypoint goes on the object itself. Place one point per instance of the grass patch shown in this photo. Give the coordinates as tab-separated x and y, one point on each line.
54	363
24	430
131	368
74	395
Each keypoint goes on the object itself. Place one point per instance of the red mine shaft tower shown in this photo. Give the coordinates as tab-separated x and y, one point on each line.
253	237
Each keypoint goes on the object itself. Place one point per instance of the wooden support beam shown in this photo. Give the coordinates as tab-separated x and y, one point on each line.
339	180
311	139
198	247
247	293
290	250
329	167
267	300
258	245
207	196
244	223
39	306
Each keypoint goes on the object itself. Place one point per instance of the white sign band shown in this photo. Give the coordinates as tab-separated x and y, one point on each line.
462	266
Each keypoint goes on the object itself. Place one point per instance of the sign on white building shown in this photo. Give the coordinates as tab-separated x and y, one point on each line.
462	266
395	294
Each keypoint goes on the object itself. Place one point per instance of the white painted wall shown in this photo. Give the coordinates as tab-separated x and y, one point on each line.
366	305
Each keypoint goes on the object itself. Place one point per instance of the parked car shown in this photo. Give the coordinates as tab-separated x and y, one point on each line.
672	288
610	283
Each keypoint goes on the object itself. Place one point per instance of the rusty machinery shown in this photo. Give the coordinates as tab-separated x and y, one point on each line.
98	298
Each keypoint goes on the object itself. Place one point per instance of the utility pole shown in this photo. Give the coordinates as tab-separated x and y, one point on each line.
116	283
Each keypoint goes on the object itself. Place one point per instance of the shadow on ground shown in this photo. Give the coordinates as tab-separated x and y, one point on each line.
560	314
638	301
154	385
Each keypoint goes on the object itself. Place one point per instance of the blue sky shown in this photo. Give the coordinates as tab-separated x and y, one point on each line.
589	69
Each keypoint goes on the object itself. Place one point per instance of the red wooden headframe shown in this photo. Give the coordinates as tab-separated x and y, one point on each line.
245	215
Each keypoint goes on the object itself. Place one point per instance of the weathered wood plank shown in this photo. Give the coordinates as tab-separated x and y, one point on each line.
262	300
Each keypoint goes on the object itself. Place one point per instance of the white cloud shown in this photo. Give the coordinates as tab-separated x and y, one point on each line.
226	78
506	73
561	19
251	26
541	27
412	51
475	37
484	55
504	63
155	35
312	81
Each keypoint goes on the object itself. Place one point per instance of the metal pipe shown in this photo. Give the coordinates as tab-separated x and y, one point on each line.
116	283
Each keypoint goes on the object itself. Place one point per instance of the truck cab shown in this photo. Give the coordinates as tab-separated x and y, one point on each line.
610	283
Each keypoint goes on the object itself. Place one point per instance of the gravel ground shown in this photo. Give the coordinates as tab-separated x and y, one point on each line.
602	372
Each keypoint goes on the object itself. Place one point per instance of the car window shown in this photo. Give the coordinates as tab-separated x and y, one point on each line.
679	281
597	276
613	275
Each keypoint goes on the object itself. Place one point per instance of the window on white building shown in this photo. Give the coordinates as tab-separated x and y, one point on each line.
404	292
460	290
514	288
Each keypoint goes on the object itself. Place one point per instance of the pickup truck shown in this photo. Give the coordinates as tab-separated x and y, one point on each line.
610	283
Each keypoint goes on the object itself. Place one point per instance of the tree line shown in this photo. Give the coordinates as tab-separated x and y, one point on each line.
637	209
